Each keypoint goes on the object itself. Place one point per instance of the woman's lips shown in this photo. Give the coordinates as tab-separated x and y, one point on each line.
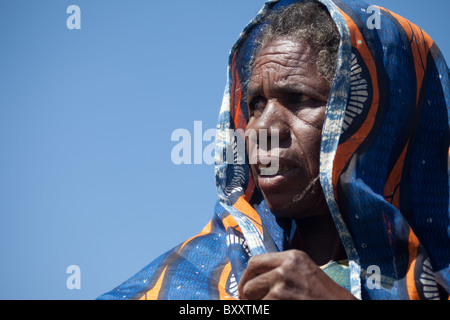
272	177
269	183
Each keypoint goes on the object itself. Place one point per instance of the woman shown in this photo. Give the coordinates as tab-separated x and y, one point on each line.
358	207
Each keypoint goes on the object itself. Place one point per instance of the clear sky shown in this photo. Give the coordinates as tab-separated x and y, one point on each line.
86	118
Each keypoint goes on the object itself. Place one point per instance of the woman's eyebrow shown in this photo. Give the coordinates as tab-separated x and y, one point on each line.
253	91
287	88
284	88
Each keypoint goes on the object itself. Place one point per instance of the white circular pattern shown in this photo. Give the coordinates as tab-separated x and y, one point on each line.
358	94
233	287
429	284
235	239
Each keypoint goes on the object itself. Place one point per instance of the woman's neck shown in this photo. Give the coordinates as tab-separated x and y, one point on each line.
317	236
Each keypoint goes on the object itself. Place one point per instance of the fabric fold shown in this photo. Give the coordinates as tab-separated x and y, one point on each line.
384	170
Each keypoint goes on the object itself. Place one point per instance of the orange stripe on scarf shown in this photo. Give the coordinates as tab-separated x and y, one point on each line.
346	150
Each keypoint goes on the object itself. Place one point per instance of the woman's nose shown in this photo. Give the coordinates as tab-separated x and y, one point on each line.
272	124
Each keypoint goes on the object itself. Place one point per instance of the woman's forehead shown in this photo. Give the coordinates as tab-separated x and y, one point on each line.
286	52
287	66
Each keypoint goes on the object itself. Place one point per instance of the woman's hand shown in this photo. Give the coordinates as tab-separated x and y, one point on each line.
288	275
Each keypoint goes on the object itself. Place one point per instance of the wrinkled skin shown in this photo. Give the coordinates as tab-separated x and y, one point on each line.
288	275
286	95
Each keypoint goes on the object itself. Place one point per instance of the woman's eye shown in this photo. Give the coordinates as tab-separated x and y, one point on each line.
257	104
300	98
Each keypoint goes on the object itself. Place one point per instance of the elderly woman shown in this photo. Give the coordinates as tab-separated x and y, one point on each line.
358	206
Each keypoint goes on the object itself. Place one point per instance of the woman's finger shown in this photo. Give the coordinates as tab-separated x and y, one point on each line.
259	268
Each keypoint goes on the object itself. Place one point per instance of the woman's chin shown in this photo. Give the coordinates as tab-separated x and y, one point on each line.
295	206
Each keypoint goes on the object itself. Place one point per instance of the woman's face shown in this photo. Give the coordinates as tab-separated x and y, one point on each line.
286	95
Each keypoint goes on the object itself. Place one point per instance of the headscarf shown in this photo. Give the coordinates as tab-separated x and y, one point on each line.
384	170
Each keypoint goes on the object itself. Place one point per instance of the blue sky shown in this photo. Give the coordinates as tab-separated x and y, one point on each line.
86	117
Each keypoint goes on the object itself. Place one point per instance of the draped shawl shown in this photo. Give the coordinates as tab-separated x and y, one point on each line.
384	170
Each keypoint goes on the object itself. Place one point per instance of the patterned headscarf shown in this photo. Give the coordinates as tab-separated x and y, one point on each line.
384	170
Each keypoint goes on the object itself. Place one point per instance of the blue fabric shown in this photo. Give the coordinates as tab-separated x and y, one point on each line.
384	171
